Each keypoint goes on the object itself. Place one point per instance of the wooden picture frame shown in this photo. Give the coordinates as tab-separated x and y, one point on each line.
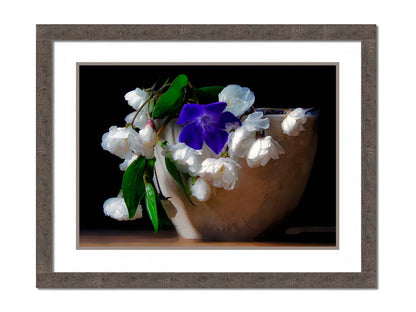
47	34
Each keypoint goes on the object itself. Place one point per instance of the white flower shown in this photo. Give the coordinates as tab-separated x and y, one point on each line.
201	190
187	159
135	142
221	172
118	140
116	208
141	118
238	99
256	122
136	98
262	150
148	138
240	142
292	124
123	141
127	162
243	137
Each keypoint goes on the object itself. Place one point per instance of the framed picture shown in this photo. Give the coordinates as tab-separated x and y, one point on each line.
206	156
313	224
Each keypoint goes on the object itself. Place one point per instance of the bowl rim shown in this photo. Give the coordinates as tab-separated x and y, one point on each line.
277	111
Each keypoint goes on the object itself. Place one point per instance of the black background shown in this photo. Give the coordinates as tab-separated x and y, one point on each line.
101	105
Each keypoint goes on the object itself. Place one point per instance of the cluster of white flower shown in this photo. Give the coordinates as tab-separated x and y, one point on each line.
128	144
222	172
206	169
245	142
257	151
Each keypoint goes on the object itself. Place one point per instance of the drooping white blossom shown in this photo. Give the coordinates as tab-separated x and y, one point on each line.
148	138
140	120
118	141
256	122
187	159
293	123
116	208
238	99
262	150
243	137
127	162
240	142
221	172
201	189
136	98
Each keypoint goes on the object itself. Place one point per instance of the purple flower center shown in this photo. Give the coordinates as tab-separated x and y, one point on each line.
205	123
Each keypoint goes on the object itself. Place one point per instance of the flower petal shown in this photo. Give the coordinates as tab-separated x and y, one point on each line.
189	112
256	122
192	136
216	139
215	108
298	113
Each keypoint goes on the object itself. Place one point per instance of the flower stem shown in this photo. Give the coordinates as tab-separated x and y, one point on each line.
196	100
162	127
148	111
140	108
164	86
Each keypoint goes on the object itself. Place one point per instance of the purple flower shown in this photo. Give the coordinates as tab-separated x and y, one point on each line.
205	123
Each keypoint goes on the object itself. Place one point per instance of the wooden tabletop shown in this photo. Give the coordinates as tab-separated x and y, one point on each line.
170	240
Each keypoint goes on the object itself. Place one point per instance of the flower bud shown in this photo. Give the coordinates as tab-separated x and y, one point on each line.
201	190
148	137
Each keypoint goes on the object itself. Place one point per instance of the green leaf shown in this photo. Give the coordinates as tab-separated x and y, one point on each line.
174	172
180	81
150	168
172	100
163	217
151	205
133	185
208	94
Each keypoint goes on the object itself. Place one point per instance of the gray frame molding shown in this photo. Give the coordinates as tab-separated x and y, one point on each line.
47	34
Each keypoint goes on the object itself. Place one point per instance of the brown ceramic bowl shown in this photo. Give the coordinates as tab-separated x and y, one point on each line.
263	196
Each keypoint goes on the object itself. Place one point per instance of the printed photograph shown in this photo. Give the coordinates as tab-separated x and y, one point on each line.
207	155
